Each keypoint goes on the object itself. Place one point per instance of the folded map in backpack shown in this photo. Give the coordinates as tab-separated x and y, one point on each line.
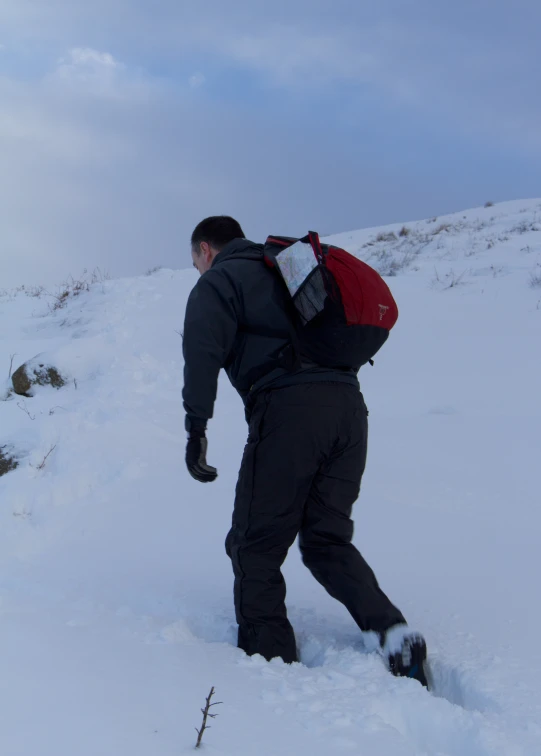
296	263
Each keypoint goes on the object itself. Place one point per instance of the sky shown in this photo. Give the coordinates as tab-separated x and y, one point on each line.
123	123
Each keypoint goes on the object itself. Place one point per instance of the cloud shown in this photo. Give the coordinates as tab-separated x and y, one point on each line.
197	80
84	62
94	70
84	69
470	64
308	114
88	179
119	182
465	76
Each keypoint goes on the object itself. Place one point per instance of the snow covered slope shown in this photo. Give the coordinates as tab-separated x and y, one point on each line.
116	614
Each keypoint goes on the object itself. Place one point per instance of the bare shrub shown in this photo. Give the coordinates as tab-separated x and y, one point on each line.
450	280
535	278
98	276
74	287
489	204
28	291
24	515
61	300
404	231
7	461
386	237
443	227
524	227
389	264
35	291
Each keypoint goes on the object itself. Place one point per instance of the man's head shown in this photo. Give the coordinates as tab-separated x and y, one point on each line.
210	237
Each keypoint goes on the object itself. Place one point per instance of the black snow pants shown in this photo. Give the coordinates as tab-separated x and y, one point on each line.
300	475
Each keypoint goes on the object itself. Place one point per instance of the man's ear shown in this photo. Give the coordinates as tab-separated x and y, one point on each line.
206	251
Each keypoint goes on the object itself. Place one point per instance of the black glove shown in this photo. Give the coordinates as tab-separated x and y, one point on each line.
196	457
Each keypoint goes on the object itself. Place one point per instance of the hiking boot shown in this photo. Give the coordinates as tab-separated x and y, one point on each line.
405	653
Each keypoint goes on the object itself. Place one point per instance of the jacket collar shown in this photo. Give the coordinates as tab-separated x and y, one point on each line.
234	247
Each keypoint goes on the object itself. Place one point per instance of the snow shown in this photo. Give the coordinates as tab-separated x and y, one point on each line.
116	613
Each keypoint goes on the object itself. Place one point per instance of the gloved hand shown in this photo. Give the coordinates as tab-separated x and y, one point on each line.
196	457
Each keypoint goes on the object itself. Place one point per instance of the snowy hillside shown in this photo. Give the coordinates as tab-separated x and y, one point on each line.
116	612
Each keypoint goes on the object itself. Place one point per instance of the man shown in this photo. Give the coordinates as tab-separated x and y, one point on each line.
306	452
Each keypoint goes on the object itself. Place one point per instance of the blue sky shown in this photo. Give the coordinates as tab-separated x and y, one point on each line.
123	123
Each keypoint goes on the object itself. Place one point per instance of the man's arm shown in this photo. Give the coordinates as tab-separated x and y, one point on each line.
210	328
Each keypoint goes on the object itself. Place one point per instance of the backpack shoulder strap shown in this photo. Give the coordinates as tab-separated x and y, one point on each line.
291	357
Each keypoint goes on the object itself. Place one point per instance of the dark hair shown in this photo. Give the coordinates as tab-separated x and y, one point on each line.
218	230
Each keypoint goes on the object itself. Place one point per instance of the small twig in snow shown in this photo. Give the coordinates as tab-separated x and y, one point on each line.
206	713
12	357
52	410
44	460
25	409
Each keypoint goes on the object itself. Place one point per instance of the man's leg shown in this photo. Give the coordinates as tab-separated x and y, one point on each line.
327	530
276	475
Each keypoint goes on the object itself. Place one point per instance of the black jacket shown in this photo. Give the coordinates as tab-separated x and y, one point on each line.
237	318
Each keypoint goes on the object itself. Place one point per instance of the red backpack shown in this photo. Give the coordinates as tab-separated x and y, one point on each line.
343	308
